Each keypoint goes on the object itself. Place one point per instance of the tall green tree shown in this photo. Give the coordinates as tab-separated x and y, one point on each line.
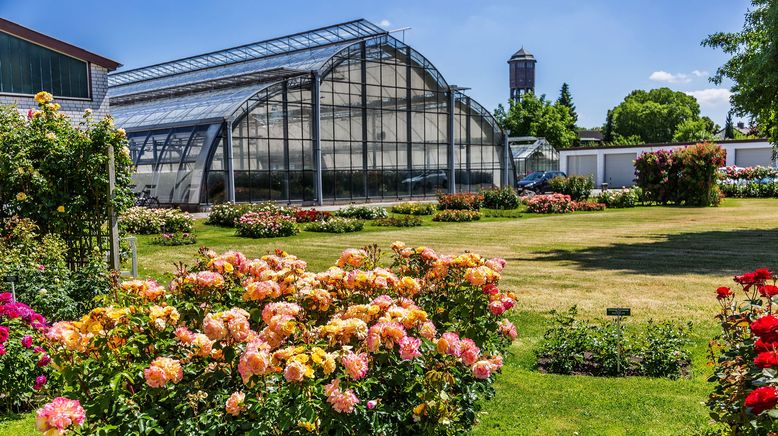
652	116
566	99
536	116
753	66
607	130
729	127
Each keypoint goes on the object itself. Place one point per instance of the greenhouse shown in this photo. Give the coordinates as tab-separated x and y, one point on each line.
346	113
531	154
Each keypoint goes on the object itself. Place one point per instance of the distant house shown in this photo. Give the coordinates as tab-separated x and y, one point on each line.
739	127
589	138
31	62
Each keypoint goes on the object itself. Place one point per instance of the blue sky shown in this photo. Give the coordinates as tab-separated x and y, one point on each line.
603	48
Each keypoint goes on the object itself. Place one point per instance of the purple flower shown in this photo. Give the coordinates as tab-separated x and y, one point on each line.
5	297
3	333
2	350
39	382
27	341
371	404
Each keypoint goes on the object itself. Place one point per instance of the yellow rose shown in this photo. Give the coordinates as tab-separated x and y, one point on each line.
21	196
43	97
61	209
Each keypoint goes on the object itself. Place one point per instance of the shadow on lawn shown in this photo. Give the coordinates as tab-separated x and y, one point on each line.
713	252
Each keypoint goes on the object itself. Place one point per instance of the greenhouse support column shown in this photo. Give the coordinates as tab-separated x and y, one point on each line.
228	166
506	175
316	119
452	183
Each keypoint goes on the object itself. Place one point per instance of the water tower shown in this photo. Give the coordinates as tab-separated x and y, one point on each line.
522	73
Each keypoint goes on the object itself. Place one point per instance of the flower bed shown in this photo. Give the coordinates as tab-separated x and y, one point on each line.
587	206
746	389
362	212
263	346
579	347
405	221
336	225
146	221
174	239
414	208
457	216
24	364
552	203
227	214
503	198
460	201
265	225
620	198
311	215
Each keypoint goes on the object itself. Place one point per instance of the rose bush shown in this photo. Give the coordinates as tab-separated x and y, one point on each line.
235	345
24	364
336	225
746	369
551	203
412	208
460	201
174	239
457	216
147	221
227	214
362	212
265	225
311	215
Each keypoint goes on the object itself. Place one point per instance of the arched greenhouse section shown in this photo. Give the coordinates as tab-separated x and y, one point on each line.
346	113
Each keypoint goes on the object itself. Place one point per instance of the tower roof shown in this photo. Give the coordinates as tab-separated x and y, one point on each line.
522	55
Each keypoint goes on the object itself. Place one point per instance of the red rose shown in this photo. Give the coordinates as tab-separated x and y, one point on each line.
765	326
767	359
761	345
723	292
763	274
768	290
490	289
761	399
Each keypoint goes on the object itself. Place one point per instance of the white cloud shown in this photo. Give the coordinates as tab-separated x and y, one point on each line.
711	97
700	73
664	76
384	23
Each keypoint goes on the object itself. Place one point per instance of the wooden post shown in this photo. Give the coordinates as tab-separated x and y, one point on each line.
114	221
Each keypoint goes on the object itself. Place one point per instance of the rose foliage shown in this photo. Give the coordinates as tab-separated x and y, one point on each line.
235	345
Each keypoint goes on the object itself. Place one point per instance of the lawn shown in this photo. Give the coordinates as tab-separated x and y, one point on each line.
663	262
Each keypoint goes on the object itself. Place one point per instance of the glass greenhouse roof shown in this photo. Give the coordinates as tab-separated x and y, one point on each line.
524	147
200	108
339	33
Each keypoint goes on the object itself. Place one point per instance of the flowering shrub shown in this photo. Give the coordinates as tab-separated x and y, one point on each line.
311	215
460	201
685	176
573	346
748	189
227	214
173	239
588	206
53	172
59	416
405	221
265	225
147	221
745	396
414	208
44	279
749	173
457	216
336	225
502	198
263	346
24	365
577	187
551	203
362	212
620	198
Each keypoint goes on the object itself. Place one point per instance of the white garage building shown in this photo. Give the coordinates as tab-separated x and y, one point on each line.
615	165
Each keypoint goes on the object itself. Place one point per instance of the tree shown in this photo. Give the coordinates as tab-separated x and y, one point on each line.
729	127
653	115
753	66
607	130
536	116
566	99
693	131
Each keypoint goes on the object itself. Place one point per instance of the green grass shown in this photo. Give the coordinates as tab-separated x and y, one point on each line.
663	262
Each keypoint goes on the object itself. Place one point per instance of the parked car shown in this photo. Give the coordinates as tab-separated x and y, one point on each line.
430	181
537	182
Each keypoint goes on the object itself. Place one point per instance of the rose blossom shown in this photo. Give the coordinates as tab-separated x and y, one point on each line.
58	416
482	369
409	348
235	404
355	364
761	399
